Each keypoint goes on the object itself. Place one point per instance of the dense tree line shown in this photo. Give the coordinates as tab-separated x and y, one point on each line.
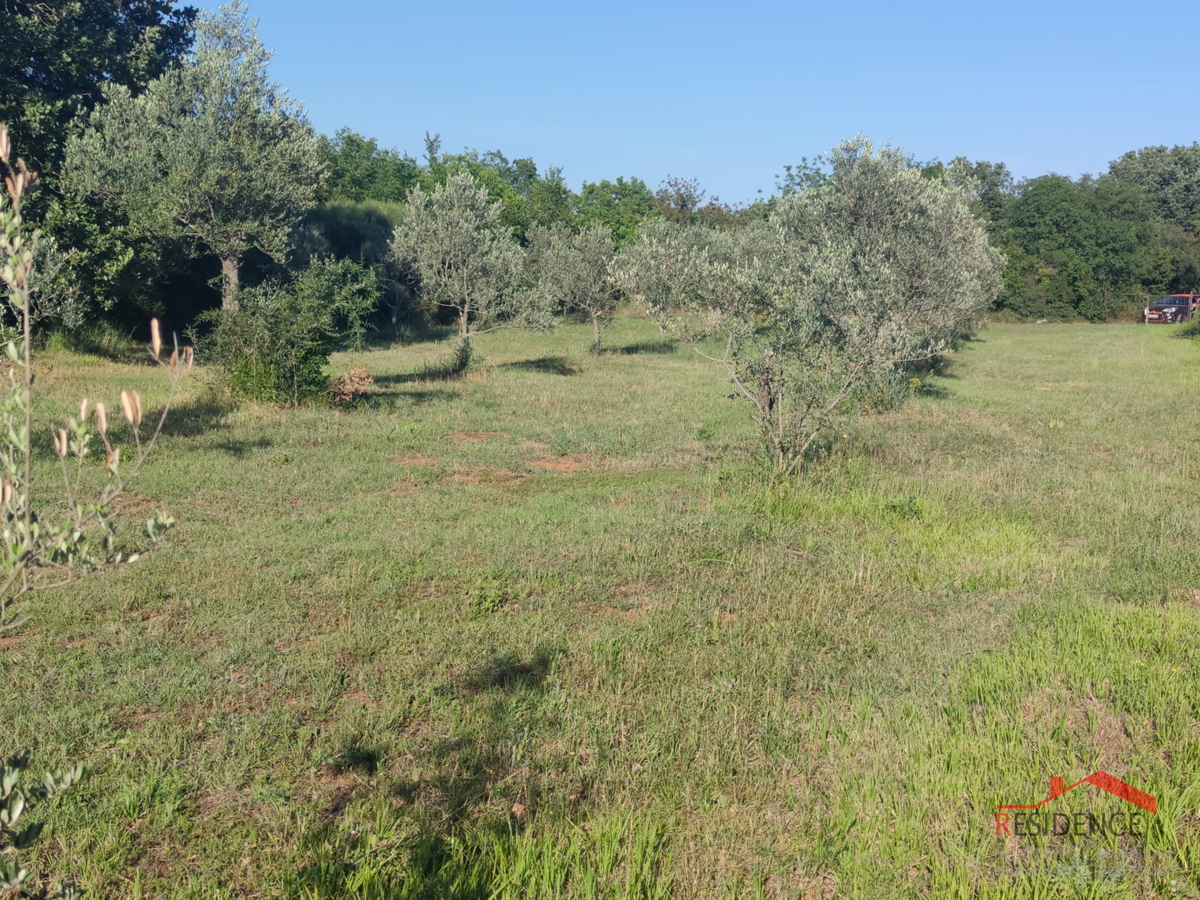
175	173
1092	247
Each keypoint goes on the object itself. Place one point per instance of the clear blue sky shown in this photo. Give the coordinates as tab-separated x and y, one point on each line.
730	92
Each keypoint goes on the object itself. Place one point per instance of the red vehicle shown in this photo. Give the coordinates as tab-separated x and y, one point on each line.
1171	308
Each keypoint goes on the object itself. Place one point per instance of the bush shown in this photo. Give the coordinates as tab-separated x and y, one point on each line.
1190	330
276	346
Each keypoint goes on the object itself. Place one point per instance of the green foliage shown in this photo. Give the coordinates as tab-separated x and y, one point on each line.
212	151
275	347
525	197
16	802
462	255
362	232
1084	248
572	271
96	339
359	170
684	202
359	231
619	205
55	58
1190	330
1169	176
871	268
990	184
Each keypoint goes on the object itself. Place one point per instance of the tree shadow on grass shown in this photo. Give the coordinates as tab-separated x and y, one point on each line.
935	391
388	399
475	770
550	365
509	671
199	415
664	345
242	449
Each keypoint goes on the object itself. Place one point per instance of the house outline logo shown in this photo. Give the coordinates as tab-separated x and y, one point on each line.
1100	779
1025	821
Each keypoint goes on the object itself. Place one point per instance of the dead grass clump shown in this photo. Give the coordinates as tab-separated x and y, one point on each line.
351	385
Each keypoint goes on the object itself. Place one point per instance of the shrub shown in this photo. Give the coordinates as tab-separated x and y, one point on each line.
276	346
1190	330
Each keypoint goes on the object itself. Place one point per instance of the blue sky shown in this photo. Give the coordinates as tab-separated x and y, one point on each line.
730	92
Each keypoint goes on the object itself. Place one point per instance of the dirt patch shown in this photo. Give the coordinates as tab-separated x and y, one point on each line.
1110	739
414	460
476	435
1095	721
572	462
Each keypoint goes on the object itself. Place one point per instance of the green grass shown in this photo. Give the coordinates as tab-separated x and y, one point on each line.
545	631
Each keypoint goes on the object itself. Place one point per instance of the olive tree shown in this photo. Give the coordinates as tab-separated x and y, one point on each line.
211	151
664	267
463	258
873	268
573	269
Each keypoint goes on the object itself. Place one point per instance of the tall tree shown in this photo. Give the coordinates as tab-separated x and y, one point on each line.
212	151
991	184
683	201
1080	248
55	58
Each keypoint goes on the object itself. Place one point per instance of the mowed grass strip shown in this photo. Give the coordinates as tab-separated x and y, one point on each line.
544	631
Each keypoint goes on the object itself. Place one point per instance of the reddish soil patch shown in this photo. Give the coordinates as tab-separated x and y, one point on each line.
476	435
572	462
414	460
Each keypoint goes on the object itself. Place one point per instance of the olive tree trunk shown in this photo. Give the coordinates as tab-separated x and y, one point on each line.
230	275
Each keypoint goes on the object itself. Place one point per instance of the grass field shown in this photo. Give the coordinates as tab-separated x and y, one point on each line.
544	631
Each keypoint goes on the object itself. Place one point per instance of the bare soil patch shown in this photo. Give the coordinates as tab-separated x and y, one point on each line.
572	462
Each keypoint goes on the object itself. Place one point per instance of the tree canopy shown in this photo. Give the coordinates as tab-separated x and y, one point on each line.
212	151
57	58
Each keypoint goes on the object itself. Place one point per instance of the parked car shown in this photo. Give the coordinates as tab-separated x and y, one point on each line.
1171	308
